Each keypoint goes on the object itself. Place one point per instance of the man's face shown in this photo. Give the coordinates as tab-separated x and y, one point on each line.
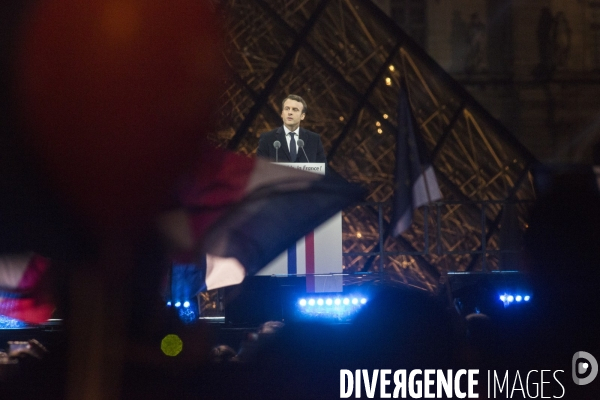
292	114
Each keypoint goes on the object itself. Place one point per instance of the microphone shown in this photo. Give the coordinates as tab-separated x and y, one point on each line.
277	145
301	145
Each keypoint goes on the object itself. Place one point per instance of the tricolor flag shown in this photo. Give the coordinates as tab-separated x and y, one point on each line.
415	181
24	288
246	211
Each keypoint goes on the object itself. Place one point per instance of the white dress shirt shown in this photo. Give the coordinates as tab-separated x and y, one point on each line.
288	137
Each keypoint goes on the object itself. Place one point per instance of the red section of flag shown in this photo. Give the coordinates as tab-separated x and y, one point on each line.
310	252
36	268
309	242
218	182
31	311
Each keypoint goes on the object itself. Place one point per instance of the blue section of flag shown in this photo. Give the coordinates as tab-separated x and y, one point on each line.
291	255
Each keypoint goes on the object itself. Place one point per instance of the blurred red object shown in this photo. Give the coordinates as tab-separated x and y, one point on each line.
116	98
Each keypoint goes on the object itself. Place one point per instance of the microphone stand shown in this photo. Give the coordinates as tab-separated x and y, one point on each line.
301	145
277	145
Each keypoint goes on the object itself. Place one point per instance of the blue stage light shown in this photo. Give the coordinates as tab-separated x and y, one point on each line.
187	315
508	299
331	307
186	304
11	323
168	304
178	304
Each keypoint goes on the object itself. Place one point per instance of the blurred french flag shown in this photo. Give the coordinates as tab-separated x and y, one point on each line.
25	292
246	211
415	180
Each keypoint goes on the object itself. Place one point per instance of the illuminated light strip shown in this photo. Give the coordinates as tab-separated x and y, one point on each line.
330	307
517	298
333	301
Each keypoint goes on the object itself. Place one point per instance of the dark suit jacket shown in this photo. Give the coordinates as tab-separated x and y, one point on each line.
312	146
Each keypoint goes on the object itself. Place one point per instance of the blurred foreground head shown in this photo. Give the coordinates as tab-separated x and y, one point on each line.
115	98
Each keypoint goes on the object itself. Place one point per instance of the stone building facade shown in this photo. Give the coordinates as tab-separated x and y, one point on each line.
535	65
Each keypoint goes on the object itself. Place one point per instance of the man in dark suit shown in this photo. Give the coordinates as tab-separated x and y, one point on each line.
293	111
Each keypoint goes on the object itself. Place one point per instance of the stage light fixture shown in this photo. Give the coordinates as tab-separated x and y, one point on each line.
489	293
331	307
11	323
178	304
516	298
186	304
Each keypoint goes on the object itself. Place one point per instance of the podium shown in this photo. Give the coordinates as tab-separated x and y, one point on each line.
318	255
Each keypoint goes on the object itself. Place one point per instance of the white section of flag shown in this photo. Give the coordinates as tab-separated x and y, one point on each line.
424	190
221	272
328	252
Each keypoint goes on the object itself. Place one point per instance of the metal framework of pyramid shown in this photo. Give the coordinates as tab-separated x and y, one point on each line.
346	59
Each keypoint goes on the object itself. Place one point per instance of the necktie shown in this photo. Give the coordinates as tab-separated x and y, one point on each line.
293	151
